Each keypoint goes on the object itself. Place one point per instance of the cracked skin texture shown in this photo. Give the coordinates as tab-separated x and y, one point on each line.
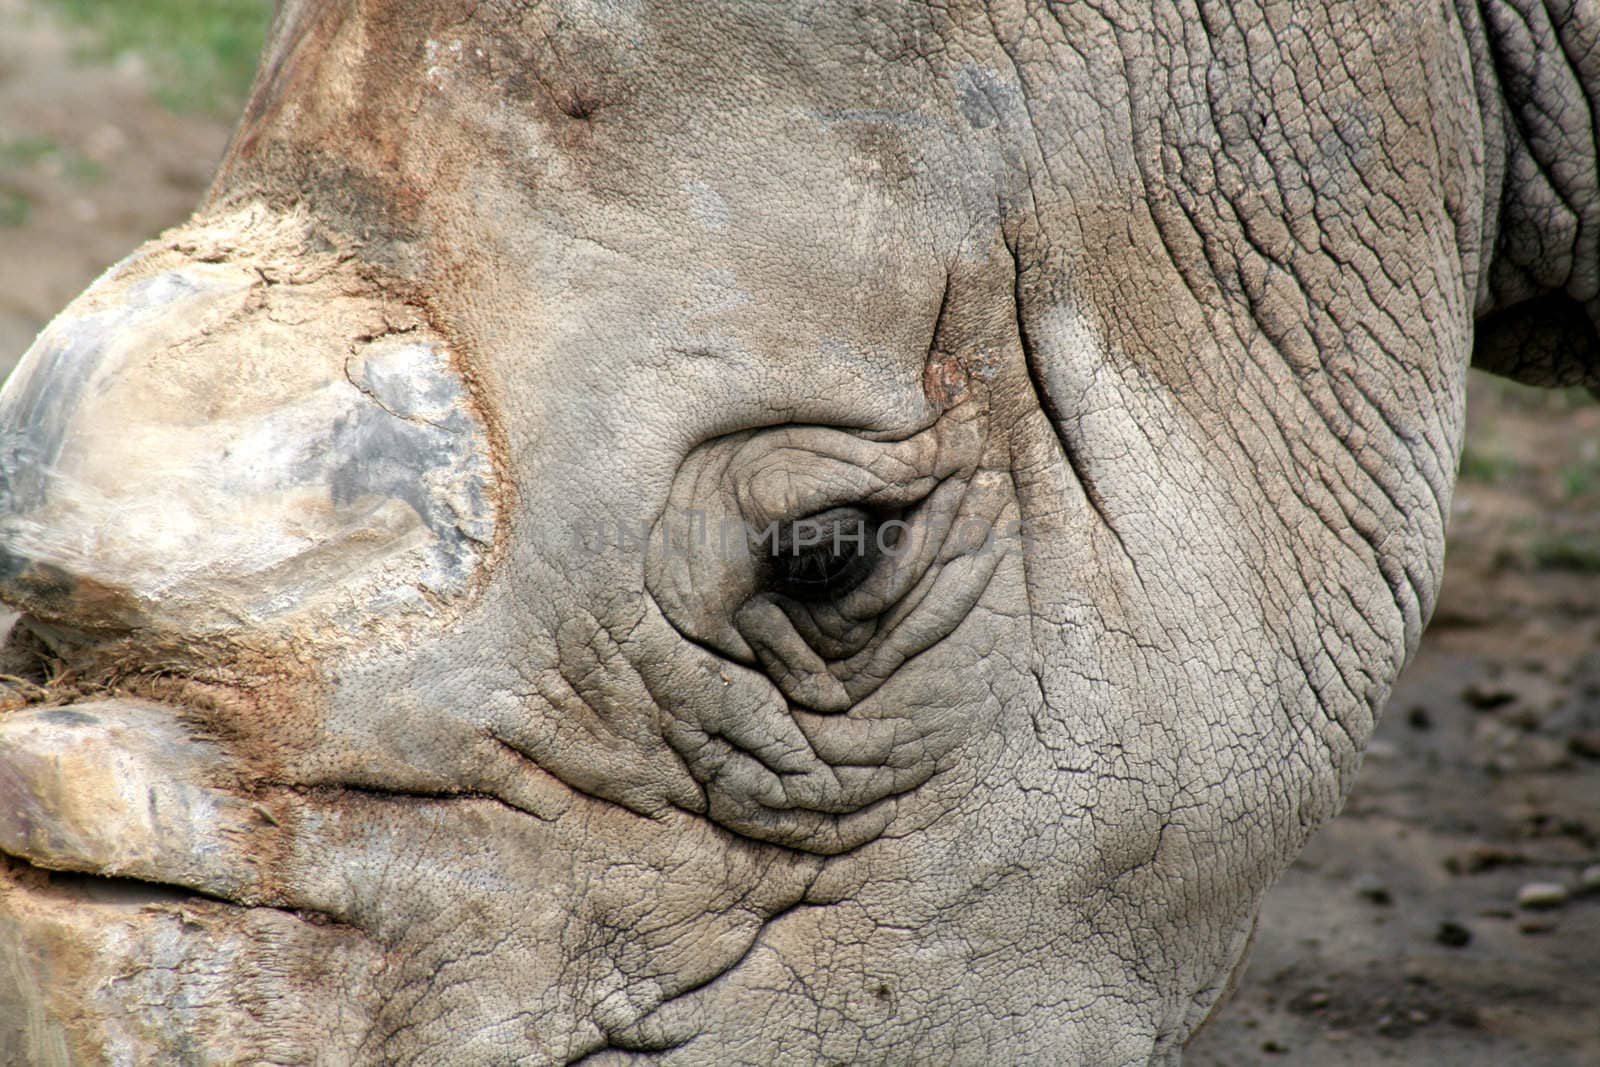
1177	301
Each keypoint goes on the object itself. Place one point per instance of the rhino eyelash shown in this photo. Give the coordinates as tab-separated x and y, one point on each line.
826	555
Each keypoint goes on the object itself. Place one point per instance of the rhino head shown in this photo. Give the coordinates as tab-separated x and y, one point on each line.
706	533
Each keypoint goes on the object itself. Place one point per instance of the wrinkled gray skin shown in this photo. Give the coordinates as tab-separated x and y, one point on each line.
413	753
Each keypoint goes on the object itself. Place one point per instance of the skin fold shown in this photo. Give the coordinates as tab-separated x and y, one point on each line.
425	708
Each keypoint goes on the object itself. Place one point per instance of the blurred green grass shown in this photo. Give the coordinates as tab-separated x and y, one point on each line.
201	53
15	209
29	152
1487	465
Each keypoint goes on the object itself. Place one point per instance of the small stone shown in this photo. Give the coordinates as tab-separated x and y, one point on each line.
104	142
1585	744
1537	896
1577	829
1371	889
1527	717
1312	1000
1487	697
1589	880
1276	1048
1453	935
1381	751
1417	1016
1536	926
1419	719
1483	858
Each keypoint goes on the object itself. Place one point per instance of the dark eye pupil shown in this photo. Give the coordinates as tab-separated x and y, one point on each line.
824	555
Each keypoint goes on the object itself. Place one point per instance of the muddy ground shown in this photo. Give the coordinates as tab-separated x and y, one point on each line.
1397	937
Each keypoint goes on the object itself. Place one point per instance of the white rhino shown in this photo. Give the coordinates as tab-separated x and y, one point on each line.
729	532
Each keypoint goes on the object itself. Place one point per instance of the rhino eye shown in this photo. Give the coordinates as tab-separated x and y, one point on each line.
824	555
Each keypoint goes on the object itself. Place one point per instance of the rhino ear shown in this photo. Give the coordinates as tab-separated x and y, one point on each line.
1539	283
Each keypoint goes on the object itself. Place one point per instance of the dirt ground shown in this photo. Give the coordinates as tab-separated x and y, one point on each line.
90	166
1397	937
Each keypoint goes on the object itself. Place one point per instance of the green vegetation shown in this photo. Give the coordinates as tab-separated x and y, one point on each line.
1581	477
25	151
21	153
14	208
201	53
1578	553
1488	467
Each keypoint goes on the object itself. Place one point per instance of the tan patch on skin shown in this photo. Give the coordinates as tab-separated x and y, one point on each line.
945	380
53	593
260	700
262	704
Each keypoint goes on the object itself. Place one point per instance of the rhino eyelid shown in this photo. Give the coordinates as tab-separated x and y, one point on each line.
870	492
